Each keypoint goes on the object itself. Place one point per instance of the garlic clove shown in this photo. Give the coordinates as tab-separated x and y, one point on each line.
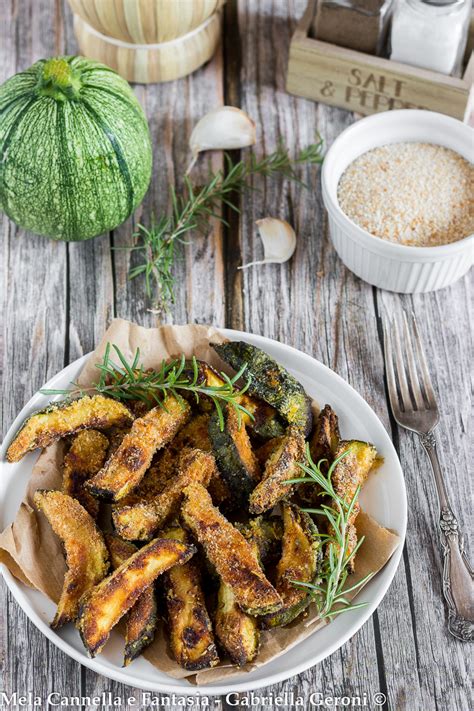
279	241
224	128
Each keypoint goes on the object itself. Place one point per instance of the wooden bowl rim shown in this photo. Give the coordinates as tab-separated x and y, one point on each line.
158	45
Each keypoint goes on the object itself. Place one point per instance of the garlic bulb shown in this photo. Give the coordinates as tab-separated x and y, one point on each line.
279	241
224	128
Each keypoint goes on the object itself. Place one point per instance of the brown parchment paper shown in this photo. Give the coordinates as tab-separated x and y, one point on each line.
33	554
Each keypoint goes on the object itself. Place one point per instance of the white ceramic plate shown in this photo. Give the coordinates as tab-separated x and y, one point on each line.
383	497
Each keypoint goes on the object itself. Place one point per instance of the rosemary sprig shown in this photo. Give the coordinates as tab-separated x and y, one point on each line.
131	381
157	243
329	592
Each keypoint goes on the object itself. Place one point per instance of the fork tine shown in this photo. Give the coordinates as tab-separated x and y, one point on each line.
400	370
391	382
425	373
412	369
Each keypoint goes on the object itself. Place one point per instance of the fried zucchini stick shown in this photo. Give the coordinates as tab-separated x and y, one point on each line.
86	553
128	464
269	381
281	465
103	606
349	473
65	418
326	438
300	559
265	450
229	552
143	616
138	522
265	535
238	633
232	449
190	628
264	422
85	457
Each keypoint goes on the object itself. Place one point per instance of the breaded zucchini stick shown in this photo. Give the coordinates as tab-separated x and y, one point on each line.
265	450
85	457
348	474
234	455
300	558
322	446
264	534
229	552
194	435
190	628
164	463
238	633
156	479
138	522
143	616
103	606
115	436
128	464
281	465
65	418
326	438
270	382
86	553
265	420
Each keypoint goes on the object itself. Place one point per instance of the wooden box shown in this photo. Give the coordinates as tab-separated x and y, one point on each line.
367	84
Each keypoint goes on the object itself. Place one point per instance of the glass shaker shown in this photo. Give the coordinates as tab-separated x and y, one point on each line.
430	33
357	24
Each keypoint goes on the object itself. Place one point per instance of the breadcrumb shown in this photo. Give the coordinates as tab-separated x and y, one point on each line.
416	194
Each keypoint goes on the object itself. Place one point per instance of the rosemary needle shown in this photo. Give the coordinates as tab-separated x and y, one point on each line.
156	244
131	381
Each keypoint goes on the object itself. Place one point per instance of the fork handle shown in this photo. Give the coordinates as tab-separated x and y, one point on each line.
458	583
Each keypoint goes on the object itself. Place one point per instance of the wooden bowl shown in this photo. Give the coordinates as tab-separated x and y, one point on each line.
144	21
150	63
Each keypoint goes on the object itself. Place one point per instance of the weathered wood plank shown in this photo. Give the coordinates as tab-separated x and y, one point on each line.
34	343
301	302
172	110
90	281
199	277
338	326
441	662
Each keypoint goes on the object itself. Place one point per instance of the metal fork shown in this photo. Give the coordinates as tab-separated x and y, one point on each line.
414	407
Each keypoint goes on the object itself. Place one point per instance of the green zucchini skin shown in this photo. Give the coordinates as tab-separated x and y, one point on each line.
238	466
270	382
238	632
265	422
298	527
141	626
142	619
75	159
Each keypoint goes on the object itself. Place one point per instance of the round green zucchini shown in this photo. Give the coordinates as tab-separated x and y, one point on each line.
75	151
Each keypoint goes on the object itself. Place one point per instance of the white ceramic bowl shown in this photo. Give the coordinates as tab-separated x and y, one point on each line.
390	266
383	497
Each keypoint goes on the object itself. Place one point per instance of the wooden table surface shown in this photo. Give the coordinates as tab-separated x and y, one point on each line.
59	298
